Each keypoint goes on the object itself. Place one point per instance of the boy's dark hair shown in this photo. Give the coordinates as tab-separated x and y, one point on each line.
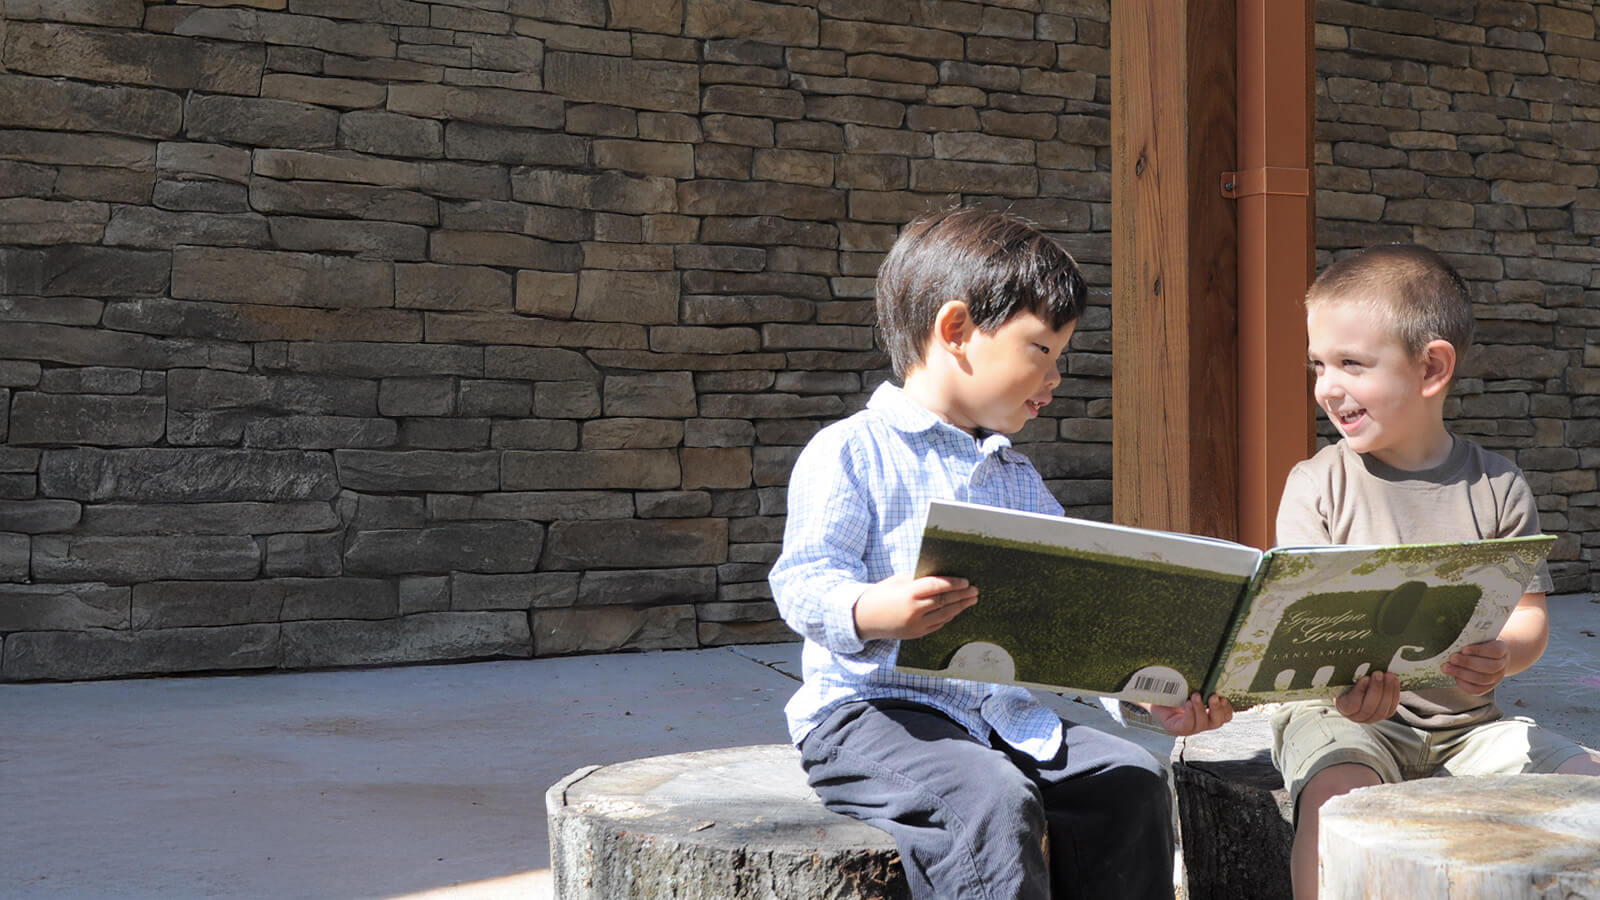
1421	295
998	264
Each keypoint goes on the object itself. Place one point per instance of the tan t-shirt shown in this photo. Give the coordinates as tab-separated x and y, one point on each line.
1340	496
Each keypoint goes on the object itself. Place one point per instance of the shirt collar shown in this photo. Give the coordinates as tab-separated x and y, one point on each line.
911	417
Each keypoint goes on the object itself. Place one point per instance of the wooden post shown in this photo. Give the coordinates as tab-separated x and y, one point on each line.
1175	373
1274	186
1212	248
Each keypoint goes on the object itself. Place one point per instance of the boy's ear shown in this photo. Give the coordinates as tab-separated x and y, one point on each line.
952	325
1438	367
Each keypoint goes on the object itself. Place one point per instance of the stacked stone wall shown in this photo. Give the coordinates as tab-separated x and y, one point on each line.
344	332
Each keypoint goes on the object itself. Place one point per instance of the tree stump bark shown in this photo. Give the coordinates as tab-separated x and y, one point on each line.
1516	836
729	824
1234	816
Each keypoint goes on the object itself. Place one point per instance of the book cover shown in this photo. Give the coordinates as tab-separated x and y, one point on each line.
1075	606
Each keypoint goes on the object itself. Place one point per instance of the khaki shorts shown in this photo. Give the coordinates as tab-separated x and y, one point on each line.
1311	736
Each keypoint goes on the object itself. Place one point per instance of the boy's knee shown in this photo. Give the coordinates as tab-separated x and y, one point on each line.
1331	782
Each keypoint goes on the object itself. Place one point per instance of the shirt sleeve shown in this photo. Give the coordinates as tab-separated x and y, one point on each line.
822	569
1520	517
1301	518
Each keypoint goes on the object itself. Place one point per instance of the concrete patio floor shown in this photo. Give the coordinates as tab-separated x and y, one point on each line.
422	781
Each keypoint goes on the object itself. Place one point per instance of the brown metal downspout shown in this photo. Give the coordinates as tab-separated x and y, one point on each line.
1275	190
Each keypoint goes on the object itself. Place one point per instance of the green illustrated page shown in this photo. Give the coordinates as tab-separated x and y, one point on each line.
1078	607
1322	617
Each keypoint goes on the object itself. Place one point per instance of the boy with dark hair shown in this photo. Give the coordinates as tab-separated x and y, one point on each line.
1388	328
976	308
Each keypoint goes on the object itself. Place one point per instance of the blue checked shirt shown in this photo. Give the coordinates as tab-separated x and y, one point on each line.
858	499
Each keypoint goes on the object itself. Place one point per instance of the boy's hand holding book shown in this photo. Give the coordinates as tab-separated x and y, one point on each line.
1373	698
1193	716
902	607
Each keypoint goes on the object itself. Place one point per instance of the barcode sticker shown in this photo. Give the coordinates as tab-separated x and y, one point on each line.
1162	683
1159	685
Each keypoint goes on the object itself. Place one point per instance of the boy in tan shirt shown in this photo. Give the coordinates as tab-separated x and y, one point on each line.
1387	328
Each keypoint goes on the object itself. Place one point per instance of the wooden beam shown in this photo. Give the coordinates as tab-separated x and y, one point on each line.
1174	261
1275	189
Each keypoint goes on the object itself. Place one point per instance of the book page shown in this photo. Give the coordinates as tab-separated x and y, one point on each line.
1079	607
1322	617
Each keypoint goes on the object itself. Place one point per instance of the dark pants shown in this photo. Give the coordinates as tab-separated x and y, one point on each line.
968	816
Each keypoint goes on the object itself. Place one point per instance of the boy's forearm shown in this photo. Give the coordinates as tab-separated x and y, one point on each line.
1526	633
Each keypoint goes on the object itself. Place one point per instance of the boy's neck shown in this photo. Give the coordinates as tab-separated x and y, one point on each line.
1427	451
927	391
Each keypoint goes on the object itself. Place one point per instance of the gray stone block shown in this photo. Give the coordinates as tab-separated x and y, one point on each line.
378	360
79	270
559	632
92	419
204	518
484	547
423	637
259	122
151	228
319	432
33	222
631	434
416	396
202	389
39	516
342	201
150	60
537	506
514	146
391	134
528	470
120	13
125	559
377	240
98	653
63	607
495	398
469	591
490	106
635	544
424	594
194	604
665	395
14	556
288	279
310	555
57	105
429	286
417	470
182	475
647	587
674	87
720	634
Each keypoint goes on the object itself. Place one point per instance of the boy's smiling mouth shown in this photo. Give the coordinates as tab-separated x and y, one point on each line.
1349	418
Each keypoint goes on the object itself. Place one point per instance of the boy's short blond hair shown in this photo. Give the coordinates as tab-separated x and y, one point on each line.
1409	285
996	263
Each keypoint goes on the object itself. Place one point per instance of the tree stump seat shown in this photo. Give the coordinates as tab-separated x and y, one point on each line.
734	823
1235	819
1510	837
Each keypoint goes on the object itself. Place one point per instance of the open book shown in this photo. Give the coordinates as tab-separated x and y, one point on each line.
1084	607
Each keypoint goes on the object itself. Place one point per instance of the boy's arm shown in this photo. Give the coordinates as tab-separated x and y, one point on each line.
822	568
1479	668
